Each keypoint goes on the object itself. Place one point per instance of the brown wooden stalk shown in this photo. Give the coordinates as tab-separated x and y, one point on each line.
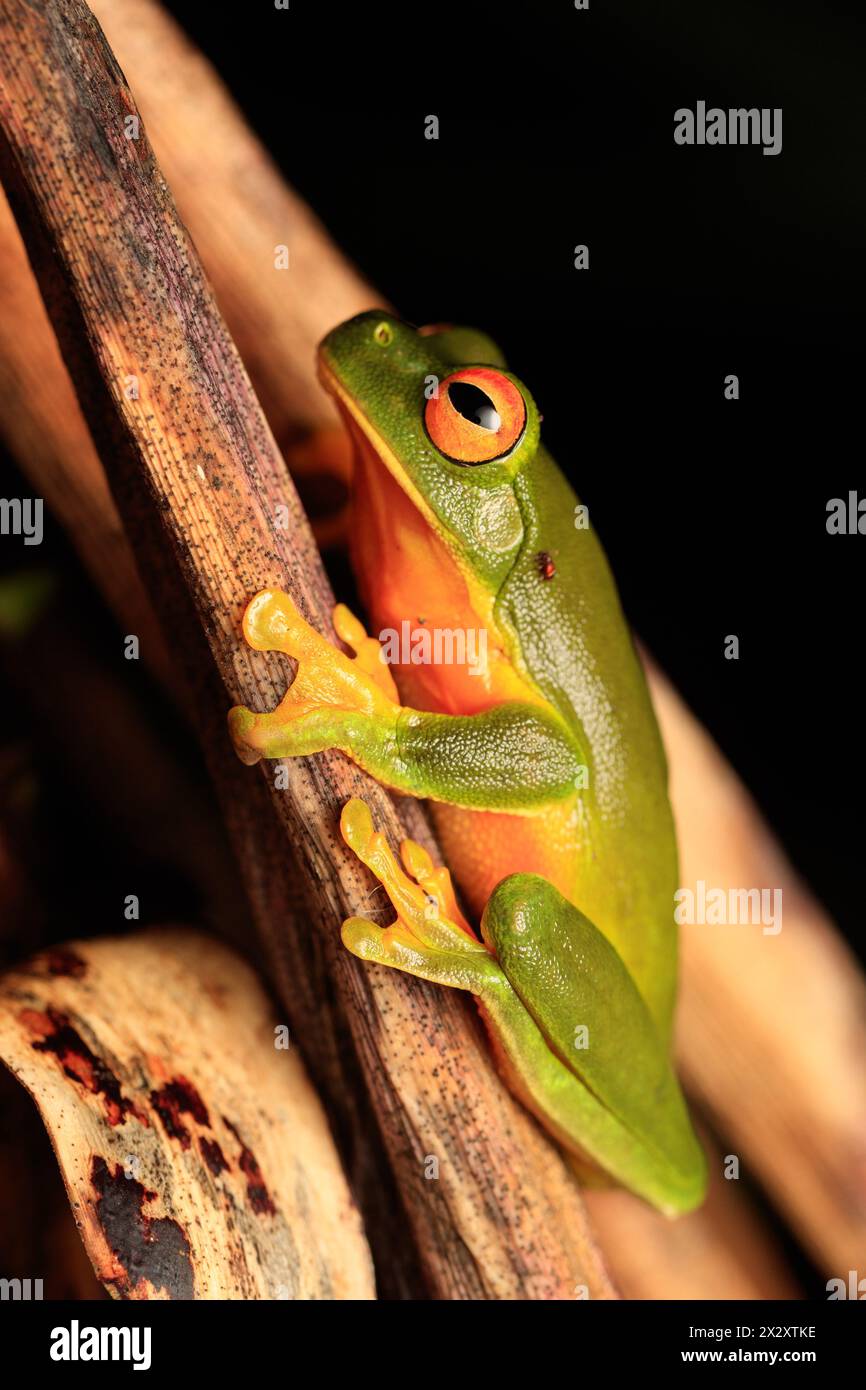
230	195
772	1032
43	425
200	485
194	1151
42	422
44	429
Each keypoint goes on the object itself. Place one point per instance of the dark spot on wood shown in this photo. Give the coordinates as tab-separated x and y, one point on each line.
179	1097
54	1033
61	961
213	1156
257	1193
151	1249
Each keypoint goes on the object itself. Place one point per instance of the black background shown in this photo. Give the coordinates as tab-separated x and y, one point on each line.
556	128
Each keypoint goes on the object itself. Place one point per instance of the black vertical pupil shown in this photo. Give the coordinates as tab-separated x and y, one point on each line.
474	405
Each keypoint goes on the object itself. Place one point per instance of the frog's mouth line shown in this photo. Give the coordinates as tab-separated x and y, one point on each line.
366	436
358	421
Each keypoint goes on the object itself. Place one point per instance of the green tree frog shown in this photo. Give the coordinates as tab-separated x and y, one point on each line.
523	716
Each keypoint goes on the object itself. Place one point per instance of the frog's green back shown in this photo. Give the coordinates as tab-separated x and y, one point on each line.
568	634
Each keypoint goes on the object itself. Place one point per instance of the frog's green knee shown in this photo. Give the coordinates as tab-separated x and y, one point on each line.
594	1067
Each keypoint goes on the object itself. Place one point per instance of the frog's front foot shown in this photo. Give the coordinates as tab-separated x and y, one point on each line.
332	695
430	937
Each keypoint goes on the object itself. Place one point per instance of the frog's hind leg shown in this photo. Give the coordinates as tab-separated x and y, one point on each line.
430	937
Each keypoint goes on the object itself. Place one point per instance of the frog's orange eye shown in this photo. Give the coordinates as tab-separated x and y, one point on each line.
477	415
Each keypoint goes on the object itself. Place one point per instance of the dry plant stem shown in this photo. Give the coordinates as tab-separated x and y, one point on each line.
37	1227
721	1251
191	450
196	1157
43	425
45	430
772	1027
237	208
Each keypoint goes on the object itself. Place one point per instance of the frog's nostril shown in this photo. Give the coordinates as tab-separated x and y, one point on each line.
474	405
